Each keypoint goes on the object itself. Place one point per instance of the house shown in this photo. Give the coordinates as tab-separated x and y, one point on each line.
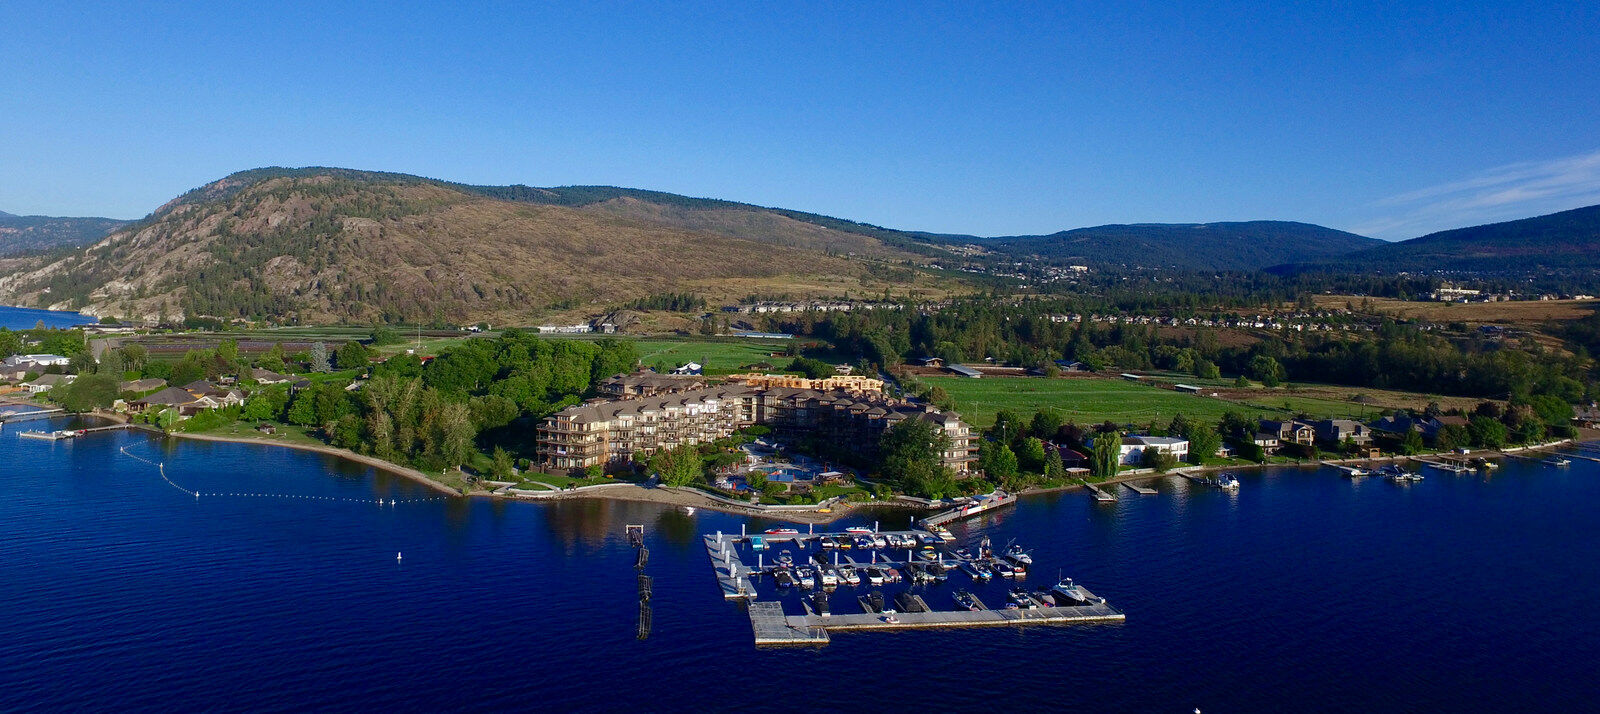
47	382
933	362
1397	423
1268	443
1134	447
843	369
962	371
41	360
1069	457
1292	431
1072	366
1588	416
171	397
690	369
266	376
1431	427
141	385
1338	431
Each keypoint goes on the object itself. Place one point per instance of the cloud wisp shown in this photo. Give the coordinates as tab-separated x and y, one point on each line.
1505	193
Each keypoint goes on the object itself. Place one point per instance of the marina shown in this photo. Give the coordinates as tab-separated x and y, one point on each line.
822	569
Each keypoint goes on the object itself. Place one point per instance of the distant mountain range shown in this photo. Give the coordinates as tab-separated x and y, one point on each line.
22	235
1247	245
328	244
1569	241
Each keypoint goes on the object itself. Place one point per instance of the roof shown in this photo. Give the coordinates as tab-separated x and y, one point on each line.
142	385
171	396
1157	440
964	371
52	379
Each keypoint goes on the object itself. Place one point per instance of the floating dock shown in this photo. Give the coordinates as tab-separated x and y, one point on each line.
976	506
1099	494
1445	466
732	575
1141	490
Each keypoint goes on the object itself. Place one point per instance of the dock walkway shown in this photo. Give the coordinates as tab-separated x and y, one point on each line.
732	575
1141	490
1081	614
772	627
1099	494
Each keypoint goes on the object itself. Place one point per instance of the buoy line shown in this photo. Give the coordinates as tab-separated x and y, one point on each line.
161	468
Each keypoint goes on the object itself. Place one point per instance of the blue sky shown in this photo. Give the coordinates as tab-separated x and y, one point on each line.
958	117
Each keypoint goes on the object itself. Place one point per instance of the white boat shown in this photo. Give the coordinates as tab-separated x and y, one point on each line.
1069	590
1019	556
806	579
849	575
1228	482
858	530
830	579
943	533
1004	569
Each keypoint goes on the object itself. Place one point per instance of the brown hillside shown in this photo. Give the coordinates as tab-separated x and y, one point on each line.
353	247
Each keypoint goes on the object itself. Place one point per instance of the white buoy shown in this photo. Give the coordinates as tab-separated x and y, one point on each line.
397	557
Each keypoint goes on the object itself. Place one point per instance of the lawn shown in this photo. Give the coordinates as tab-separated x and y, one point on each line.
1092	401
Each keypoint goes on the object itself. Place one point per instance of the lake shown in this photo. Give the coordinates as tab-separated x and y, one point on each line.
25	318
1305	591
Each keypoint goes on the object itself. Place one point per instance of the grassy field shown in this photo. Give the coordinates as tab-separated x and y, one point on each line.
1092	401
1526	313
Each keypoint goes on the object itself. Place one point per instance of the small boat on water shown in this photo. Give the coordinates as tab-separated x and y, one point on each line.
1004	569
829	578
863	542
807	577
890	575
858	530
784	578
1020	596
785	558
943	533
875	601
819	602
879	540
849	575
977	571
1044	597
1017	555
875	576
1067	589
782	531
967	601
1228	482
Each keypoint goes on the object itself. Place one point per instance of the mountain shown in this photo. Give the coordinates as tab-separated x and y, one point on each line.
1566	241
320	245
21	235
1247	245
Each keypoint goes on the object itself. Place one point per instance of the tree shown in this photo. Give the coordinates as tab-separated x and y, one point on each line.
186	371
1158	459
1007	427
319	357
1412	444
593	471
500	463
1486	432
1450	437
86	393
1054	468
1031	457
303	411
266	405
353	355
1106	456
1203	442
678	466
1045	424
997	460
1266	370
911	458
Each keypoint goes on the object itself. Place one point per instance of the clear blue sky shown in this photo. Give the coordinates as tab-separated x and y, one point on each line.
957	117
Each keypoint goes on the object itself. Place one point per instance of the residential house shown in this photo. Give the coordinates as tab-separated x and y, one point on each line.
47	382
1292	431
1338	431
41	360
1134	447
266	376
141	385
934	362
1268	442
1588	416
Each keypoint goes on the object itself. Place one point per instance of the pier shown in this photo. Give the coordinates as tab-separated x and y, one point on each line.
32	414
976	505
904	609
1445	466
1141	490
1099	494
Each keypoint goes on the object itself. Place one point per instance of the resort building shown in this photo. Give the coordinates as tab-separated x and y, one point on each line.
617	431
846	382
645	383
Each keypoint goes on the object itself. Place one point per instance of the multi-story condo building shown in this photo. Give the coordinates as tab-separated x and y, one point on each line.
615	431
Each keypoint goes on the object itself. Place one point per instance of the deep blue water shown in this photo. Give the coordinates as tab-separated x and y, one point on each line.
1304	592
26	318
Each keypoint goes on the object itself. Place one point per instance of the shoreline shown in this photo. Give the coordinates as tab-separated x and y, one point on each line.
687	497
374	462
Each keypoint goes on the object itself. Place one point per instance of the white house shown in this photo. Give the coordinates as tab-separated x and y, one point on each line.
1134	447
41	360
690	368
45	382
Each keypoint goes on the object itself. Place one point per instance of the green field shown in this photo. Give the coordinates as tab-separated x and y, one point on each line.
1092	401
718	356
